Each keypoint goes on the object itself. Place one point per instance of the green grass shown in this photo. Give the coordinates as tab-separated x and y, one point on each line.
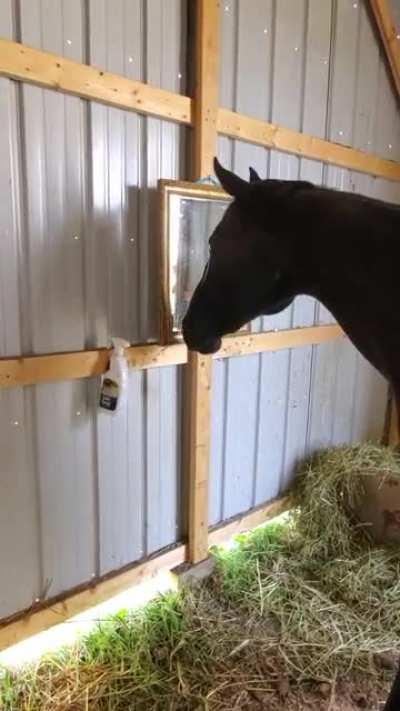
306	601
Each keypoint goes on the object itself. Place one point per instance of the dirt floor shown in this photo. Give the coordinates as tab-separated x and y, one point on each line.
343	697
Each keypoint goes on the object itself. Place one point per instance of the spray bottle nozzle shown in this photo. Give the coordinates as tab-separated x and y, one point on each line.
119	345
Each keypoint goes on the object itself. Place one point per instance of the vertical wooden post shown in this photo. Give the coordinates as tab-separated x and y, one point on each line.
394	426
199	367
206	86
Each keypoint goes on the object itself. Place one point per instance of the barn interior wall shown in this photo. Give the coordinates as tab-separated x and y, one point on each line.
83	493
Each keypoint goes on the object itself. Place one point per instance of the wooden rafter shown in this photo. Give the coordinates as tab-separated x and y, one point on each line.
390	36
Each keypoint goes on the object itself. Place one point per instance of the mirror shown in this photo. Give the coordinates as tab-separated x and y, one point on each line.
190	212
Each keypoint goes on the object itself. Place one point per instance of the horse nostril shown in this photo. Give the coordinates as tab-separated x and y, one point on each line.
207	346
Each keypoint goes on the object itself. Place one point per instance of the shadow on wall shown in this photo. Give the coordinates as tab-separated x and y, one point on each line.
95	276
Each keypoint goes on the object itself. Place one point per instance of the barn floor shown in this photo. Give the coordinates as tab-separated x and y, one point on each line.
300	615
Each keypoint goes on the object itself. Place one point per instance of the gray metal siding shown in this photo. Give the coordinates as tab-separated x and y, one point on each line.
83	493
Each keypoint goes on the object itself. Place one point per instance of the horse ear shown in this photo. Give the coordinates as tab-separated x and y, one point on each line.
254	177
230	182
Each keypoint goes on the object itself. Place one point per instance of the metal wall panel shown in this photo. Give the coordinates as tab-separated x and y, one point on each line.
19	505
130	153
82	492
53	140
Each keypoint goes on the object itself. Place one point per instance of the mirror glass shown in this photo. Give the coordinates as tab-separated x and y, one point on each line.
191	222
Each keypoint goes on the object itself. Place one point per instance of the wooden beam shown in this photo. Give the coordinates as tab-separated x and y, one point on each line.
250	343
198	407
390	36
60	610
245	522
31	370
51	71
283	139
199	372
205	108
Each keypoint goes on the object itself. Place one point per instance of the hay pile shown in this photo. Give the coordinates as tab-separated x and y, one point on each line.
329	489
291	606
334	598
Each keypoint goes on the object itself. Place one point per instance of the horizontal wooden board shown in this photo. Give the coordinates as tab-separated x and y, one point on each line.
30	370
52	71
59	611
247	521
284	139
277	340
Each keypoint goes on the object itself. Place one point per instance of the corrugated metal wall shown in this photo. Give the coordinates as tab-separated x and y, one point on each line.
82	493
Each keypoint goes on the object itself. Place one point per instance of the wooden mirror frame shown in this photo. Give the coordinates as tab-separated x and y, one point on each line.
184	190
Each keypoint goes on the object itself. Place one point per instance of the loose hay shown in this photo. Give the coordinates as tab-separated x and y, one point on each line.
311	601
329	489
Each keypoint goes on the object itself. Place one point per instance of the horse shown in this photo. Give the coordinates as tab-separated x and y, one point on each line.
279	239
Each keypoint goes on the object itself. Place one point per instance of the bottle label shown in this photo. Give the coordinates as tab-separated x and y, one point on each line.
109	395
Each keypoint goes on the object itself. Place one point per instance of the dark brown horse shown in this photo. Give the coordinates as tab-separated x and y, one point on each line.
280	239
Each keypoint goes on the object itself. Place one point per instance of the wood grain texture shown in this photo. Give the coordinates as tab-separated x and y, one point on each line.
271	135
198	389
52	71
58	611
30	370
390	36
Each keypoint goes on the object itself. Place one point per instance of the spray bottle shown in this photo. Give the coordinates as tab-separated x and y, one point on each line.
114	382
